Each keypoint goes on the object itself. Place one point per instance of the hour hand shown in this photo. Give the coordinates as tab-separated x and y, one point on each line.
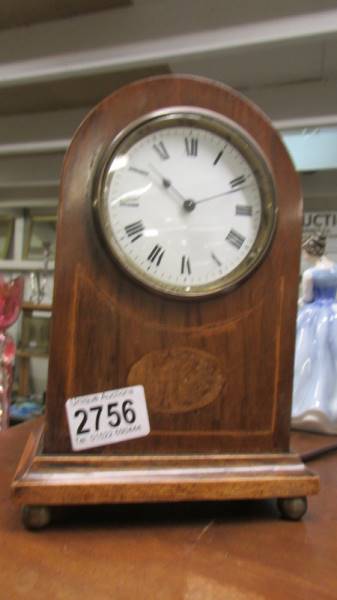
167	183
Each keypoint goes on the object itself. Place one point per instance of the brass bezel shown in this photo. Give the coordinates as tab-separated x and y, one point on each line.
246	145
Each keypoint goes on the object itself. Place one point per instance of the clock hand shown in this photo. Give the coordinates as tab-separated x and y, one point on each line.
187	204
166	183
237	189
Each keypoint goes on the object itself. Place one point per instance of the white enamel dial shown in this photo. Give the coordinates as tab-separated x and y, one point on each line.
184	202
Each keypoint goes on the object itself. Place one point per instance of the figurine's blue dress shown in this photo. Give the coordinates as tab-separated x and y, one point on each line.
315	376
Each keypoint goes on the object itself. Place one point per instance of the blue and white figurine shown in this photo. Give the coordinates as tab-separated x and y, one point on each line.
315	377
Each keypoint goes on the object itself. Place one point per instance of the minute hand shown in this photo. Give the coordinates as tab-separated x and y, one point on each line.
238	189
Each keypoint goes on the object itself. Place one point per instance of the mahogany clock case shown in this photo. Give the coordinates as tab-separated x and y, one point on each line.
217	373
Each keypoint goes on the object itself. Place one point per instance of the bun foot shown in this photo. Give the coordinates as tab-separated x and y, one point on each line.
292	509
36	517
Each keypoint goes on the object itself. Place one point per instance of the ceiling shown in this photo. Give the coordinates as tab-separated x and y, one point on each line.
58	59
18	13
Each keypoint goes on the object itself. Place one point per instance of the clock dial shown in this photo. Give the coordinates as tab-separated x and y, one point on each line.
186	203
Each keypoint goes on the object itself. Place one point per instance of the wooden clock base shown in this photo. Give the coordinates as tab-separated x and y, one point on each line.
45	480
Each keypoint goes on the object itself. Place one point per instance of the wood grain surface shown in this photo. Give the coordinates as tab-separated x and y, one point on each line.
43	479
209	551
108	331
198	379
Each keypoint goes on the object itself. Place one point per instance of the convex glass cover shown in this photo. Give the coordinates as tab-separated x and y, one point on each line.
185	201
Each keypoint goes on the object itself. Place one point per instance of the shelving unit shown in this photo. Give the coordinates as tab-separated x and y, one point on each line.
30	375
25	354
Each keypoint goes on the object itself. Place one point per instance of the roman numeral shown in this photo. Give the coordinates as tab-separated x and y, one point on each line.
161	150
235	238
238	181
243	210
216	259
191	146
218	156
156	255
185	268
135	230
139	171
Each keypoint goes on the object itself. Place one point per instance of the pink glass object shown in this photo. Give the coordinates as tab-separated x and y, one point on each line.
11	293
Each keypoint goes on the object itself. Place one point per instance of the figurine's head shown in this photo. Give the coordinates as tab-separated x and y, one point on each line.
314	245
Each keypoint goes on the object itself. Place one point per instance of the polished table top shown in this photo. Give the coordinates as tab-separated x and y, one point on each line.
209	551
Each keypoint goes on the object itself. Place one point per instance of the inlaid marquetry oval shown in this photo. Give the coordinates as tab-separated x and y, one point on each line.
179	379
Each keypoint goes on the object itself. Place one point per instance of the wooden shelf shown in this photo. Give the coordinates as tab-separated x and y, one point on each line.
30	306
31	353
24	265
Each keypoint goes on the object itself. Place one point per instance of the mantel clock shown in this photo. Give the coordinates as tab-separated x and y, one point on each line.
176	289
